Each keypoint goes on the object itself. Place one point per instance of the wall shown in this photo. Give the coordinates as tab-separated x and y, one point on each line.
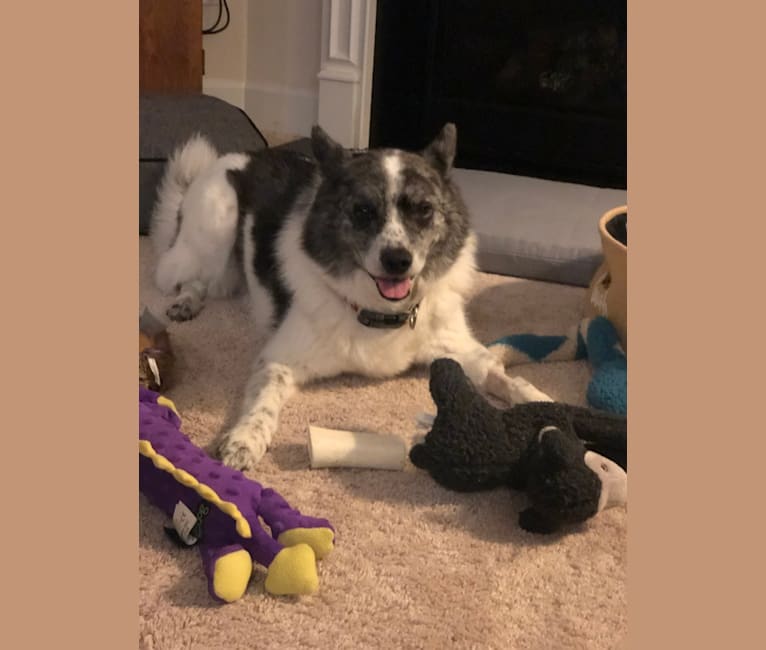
267	62
283	59
226	53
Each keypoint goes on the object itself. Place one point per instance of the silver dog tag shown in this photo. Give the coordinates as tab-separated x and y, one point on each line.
413	317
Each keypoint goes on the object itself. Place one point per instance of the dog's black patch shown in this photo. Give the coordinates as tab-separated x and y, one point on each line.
268	187
424	183
349	210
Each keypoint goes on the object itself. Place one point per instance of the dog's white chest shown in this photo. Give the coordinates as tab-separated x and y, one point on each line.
376	352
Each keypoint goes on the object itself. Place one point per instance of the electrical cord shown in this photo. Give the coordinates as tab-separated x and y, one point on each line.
215	29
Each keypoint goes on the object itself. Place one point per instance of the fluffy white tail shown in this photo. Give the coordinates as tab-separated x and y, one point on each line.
186	163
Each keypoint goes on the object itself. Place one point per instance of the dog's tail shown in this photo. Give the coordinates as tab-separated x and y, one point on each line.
186	163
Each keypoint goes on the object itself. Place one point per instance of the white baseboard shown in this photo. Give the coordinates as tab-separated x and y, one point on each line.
230	90
281	109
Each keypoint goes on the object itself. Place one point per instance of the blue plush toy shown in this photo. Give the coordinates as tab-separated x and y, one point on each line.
595	339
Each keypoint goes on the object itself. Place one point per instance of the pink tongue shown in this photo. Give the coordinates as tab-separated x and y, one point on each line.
394	289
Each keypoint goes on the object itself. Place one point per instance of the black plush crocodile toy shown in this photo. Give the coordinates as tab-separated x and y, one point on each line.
570	460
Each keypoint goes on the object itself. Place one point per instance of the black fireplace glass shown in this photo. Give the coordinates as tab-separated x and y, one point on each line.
536	87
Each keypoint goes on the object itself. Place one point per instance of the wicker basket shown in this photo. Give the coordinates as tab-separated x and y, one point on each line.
607	294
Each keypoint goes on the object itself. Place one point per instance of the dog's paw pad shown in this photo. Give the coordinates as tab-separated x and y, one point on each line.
181	311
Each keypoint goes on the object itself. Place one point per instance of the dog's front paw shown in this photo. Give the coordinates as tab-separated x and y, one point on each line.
241	450
520	391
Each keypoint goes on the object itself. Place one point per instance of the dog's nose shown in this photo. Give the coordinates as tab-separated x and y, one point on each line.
395	261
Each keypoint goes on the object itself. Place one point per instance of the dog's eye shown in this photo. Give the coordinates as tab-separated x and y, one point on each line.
362	214
605	467
424	210
421	211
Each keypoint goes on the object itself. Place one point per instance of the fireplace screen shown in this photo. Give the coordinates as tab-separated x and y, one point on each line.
536	87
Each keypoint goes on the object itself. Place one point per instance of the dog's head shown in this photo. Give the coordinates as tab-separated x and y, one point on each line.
384	222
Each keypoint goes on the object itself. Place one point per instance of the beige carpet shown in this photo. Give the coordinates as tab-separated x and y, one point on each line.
415	566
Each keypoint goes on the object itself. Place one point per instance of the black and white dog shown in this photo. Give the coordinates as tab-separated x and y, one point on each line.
355	262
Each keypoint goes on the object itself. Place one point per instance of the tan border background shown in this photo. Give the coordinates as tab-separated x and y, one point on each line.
70	301
695	183
70	266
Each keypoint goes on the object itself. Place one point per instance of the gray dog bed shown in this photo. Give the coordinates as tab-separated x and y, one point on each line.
535	228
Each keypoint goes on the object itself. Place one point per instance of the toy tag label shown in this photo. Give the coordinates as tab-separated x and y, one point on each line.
196	530
184	521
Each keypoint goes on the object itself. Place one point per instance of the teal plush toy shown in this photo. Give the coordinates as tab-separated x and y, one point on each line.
594	339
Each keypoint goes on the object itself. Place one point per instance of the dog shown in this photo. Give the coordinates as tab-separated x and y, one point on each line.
356	261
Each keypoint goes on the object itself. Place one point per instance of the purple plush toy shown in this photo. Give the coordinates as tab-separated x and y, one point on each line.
218	508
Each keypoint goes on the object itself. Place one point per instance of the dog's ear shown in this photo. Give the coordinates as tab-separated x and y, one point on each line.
441	152
328	153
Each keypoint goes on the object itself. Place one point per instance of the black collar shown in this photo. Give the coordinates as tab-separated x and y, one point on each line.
381	320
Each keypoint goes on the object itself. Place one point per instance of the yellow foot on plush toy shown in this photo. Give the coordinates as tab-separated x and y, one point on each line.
320	539
231	575
293	572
